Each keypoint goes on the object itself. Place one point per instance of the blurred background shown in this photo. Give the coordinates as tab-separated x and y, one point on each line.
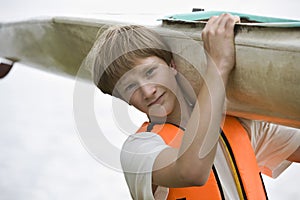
41	154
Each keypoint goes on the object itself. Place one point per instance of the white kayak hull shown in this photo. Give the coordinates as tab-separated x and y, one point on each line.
265	84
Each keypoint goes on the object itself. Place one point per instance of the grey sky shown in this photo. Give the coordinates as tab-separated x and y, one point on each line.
20	9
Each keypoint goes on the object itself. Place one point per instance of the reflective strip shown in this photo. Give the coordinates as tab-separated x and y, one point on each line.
233	168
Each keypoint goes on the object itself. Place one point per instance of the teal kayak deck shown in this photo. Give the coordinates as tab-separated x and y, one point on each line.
247	19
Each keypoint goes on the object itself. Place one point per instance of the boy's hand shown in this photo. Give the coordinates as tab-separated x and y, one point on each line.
218	39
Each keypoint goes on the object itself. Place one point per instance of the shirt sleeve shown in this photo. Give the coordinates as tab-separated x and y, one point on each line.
137	158
272	144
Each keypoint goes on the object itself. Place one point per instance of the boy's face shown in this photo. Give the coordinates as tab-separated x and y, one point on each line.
150	86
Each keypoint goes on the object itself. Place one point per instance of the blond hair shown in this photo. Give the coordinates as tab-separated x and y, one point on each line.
118	48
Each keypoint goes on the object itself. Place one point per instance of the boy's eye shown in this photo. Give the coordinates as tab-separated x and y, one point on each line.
150	71
130	87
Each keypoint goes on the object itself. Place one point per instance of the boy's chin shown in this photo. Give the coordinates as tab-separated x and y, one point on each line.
157	113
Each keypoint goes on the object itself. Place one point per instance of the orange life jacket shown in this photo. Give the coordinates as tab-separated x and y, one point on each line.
242	163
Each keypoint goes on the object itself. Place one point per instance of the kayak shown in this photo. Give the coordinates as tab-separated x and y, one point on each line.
265	84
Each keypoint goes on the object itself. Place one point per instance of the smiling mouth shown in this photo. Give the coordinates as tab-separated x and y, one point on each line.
156	101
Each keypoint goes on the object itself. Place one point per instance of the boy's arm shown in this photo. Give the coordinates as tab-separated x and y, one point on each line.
191	164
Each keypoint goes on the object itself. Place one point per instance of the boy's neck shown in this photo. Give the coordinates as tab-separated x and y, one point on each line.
183	113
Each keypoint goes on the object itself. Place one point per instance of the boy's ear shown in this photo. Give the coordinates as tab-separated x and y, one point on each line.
173	66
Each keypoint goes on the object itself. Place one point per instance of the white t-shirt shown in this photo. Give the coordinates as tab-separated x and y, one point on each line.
272	145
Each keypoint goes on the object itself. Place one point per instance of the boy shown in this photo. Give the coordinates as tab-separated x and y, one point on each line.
182	145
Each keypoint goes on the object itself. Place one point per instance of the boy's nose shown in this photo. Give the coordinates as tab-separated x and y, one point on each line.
148	90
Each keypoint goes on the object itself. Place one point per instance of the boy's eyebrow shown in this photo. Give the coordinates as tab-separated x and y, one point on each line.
151	64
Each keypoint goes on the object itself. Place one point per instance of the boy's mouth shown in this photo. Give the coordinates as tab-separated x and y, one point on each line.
156	101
